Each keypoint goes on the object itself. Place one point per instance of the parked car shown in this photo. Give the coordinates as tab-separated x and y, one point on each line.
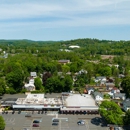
27	115
81	122
35	125
25	129
55	123
55	120
36	121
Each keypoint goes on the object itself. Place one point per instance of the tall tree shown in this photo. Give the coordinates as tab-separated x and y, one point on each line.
125	84
111	112
127	118
2	123
15	79
38	84
2	86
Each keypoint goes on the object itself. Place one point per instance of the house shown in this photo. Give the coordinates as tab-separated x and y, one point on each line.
90	90
31	81
33	74
82	72
119	96
68	73
64	61
29	87
100	79
121	76
113	90
126	104
109	86
98	96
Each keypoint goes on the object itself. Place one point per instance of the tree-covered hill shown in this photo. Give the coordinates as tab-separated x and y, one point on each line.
20	57
91	46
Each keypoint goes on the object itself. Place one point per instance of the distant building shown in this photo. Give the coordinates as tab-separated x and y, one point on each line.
74	46
33	74
64	61
100	79
82	72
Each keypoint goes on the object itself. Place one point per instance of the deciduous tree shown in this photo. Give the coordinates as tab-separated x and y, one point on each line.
2	123
111	112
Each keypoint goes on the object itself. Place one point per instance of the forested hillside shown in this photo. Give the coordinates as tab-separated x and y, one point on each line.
20	57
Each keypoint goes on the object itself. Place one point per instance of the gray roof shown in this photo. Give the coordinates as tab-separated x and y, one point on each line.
119	95
127	102
64	61
98	93
90	88
100	77
110	84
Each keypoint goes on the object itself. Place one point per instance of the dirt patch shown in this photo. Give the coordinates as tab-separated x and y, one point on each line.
107	56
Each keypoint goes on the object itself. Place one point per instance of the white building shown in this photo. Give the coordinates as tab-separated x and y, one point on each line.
33	74
74	46
98	96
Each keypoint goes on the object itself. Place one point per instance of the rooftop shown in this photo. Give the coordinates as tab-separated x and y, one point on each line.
78	100
38	99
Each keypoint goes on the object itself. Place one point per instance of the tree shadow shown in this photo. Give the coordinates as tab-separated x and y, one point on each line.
98	121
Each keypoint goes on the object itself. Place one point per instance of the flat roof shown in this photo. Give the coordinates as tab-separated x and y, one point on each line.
39	99
79	100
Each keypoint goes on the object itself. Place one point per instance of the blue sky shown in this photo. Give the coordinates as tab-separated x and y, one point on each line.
65	19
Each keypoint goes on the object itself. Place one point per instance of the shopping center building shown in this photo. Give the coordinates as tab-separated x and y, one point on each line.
66	103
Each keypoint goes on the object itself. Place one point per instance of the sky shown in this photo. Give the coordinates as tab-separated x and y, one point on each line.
43	20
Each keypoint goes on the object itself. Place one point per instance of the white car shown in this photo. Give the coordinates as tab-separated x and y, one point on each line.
81	122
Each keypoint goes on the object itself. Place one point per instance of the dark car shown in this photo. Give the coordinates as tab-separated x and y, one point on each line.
55	123
36	121
35	125
27	115
81	122
55	120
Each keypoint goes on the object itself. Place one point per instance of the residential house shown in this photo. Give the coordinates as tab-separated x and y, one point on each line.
82	71
100	79
126	104
29	87
68	73
98	96
121	76
121	96
64	61
109	86
113	90
33	74
90	90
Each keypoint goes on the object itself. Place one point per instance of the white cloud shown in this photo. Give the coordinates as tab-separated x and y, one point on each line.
75	13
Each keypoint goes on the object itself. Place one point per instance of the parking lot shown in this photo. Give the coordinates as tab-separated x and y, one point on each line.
66	122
